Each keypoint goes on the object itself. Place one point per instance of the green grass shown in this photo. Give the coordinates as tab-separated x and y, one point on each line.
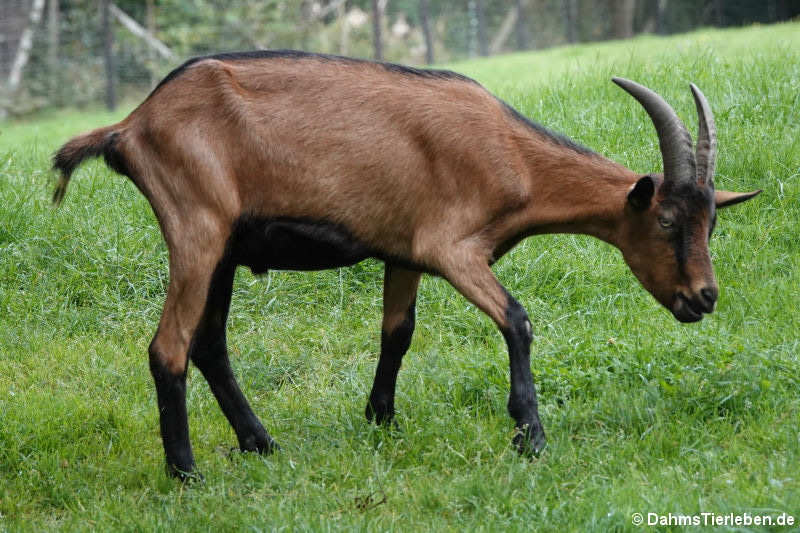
643	414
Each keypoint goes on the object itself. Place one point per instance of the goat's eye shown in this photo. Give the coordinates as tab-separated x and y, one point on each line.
665	223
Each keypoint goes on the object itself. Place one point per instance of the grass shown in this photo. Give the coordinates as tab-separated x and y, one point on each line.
643	414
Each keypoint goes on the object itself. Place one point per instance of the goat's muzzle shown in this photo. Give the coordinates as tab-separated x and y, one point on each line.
691	308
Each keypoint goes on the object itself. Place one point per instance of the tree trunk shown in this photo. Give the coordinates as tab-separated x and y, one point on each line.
478	44
146	35
571	20
483	42
472	29
661	17
24	48
377	38
623	18
151	54
53	44
718	13
508	25
108	56
424	17
344	37
305	24
521	27
783	10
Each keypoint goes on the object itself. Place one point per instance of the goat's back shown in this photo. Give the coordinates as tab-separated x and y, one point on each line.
388	152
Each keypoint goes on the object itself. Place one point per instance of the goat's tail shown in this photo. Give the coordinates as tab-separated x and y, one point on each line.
96	143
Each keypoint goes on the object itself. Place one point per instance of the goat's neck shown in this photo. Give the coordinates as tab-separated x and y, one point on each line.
569	192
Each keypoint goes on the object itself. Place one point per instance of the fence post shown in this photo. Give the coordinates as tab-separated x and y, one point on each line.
53	38
521	27
24	48
108	56
424	18
377	38
151	53
483	43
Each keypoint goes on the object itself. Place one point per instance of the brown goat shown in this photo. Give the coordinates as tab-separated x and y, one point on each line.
288	160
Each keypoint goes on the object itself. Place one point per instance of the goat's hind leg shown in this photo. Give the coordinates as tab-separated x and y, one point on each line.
192	326
190	276
209	353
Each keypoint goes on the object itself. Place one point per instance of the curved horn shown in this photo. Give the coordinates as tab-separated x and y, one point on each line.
673	137
706	154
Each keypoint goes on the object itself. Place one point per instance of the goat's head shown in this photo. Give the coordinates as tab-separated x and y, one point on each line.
669	217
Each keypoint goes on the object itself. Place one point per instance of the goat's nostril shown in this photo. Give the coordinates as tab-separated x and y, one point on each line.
709	295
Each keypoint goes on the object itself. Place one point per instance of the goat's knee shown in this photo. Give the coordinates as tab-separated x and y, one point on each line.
518	329
166	359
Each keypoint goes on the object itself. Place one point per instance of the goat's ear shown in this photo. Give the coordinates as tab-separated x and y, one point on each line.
726	198
641	194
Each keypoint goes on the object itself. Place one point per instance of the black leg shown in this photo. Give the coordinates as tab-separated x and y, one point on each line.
522	404
393	347
169	350
209	353
474	279
171	395
399	296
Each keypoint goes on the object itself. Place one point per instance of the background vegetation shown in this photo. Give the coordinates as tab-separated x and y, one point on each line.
74	55
643	414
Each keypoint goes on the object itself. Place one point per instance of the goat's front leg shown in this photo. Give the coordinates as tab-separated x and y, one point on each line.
475	280
399	296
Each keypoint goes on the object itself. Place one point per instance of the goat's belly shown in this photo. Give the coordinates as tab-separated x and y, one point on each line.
293	244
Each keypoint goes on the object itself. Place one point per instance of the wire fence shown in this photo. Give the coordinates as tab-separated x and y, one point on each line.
77	52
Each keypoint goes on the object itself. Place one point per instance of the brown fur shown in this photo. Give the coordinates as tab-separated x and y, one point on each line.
423	169
431	171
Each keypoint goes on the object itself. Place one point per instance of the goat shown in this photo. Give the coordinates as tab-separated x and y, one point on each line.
290	160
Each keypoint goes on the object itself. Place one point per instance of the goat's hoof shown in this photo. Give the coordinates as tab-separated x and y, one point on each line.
269	447
186	476
263	445
529	442
382	415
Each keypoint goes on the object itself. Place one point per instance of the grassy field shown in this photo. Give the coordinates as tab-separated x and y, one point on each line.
643	414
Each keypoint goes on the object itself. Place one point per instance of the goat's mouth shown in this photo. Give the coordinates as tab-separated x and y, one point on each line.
685	310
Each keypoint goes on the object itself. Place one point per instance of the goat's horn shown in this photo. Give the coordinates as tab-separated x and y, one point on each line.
706	154
673	137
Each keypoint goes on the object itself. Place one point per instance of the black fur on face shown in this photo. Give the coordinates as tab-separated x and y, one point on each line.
688	209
